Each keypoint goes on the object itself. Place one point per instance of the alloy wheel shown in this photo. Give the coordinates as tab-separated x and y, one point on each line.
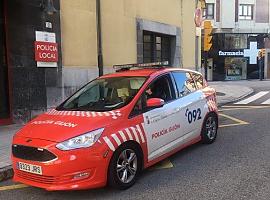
211	128
127	165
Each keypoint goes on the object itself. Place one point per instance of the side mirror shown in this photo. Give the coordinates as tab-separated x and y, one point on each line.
155	103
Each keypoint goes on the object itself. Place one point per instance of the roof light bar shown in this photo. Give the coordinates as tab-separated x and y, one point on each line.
140	65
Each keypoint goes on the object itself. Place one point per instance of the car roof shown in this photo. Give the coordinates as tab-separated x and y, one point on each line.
145	72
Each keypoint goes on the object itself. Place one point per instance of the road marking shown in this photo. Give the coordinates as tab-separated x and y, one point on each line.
165	164
228	108
245	106
13	187
230	125
238	121
266	102
253	98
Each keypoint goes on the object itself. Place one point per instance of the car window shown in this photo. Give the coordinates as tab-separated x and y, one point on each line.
89	96
184	82
139	107
198	78
160	88
104	94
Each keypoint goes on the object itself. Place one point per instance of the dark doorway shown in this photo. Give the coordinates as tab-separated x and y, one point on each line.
218	69
4	95
253	72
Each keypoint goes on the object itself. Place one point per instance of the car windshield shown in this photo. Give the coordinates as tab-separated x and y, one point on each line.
104	94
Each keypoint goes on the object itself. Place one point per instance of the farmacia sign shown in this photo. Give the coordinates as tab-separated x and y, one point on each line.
231	53
251	53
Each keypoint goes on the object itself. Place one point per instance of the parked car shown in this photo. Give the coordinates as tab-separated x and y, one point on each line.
114	127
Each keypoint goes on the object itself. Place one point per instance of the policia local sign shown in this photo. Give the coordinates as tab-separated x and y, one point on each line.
46	49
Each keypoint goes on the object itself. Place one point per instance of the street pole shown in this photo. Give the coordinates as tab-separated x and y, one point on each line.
260	68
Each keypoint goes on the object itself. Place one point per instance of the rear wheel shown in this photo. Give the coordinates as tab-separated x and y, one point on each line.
209	130
124	166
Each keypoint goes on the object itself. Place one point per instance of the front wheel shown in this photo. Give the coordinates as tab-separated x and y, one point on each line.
124	167
209	129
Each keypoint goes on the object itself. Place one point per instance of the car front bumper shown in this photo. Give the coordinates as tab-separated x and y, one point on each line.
71	170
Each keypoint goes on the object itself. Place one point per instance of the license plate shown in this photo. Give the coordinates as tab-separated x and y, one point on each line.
34	169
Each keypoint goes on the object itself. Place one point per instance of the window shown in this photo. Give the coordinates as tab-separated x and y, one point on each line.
104	94
246	11
198	78
236	68
156	47
160	88
139	107
147	48
209	11
184	82
236	41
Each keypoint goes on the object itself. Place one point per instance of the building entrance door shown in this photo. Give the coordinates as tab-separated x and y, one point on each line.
4	94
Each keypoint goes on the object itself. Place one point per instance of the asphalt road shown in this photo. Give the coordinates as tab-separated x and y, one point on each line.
236	166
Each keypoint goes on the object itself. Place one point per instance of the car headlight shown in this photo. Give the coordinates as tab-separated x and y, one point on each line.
82	141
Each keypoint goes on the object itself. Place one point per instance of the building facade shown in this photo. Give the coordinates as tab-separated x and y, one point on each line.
241	28
132	31
50	48
25	89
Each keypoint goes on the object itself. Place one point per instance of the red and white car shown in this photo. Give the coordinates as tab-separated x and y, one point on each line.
114	127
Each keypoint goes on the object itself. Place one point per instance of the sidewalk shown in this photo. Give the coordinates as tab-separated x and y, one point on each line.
6	134
226	93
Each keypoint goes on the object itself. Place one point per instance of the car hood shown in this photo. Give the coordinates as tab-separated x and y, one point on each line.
58	126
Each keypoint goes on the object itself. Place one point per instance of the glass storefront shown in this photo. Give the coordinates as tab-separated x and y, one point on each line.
231	54
236	41
236	68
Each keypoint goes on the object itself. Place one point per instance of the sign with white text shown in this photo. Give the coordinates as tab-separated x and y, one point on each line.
251	53
46	52
46	49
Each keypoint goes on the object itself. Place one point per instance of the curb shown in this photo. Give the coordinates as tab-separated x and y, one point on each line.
6	173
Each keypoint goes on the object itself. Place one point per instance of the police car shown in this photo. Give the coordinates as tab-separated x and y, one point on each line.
114	127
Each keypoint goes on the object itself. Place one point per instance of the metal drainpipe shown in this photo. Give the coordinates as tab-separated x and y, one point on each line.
99	38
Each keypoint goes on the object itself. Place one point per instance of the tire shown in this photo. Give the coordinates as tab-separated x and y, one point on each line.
209	129
123	173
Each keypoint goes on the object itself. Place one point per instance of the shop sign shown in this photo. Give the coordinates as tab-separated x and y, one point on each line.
46	49
231	53
251	53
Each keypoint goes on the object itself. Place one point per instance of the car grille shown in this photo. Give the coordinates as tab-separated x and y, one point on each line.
32	153
36	178
49	180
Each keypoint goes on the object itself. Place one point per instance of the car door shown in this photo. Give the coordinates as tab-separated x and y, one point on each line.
190	106
160	124
202	103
